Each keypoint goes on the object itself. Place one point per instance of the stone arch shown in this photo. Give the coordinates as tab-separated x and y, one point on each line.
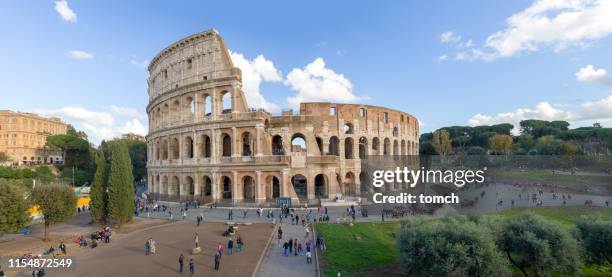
350	187
174	145
206	189
272	187
300	185
248	188
226	102
395	131
166	113
247	144
226	149
189	187
321	186
298	143
277	145
348	148
205	146
403	147
188	145
363	147
334	146
320	145
175	110
164	148
157	150
387	147
395	148
190	105
363	181
348	128
376	146
208	104
226	187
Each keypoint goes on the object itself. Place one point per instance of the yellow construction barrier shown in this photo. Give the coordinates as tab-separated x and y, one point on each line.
81	201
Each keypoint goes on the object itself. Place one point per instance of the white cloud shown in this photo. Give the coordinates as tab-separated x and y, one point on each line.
143	63
555	24
80	55
587	112
315	82
65	12
253	73
449	37
98	125
591	74
126	111
442	57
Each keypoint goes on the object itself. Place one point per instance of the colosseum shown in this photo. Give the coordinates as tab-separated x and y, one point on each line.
205	144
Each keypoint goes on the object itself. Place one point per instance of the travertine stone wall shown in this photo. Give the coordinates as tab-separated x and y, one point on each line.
205	144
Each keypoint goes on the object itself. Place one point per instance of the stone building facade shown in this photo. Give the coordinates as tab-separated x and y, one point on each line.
23	137
206	144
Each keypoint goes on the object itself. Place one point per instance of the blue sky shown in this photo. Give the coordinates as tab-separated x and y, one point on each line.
446	62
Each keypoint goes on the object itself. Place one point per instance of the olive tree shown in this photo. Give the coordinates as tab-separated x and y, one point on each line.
596	237
56	202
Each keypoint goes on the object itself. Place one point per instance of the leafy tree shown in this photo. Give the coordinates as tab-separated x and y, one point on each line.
120	188
74	148
526	142
138	156
13	207
56	202
71	131
442	142
538	247
99	197
43	174
452	247
426	148
596	236
548	145
568	148
500	144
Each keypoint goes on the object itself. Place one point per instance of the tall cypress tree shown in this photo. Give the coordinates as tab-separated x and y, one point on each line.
99	197
120	188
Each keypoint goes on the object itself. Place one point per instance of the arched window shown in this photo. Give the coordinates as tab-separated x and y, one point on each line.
348	128
227	145
205	146
348	148
300	185
298	143
395	132
207	105
376	146
226	100
175	148
334	148
387	147
321	186
227	188
363	146
247	144
189	147
277	145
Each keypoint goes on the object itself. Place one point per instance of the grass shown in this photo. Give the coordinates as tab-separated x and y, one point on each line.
363	247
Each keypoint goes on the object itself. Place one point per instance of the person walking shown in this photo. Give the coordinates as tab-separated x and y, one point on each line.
286	248
230	247
147	247
219	248
239	243
196	239
217	260
191	268
181	260
290	245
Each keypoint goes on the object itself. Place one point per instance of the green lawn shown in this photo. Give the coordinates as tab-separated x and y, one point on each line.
364	247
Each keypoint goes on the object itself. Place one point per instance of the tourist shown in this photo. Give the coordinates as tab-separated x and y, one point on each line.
280	235
307	232
239	243
181	258
244	213
230	214
286	248
230	246
148	247
308	257
219	248
62	247
295	244
196	239
184	215
217	260
290	245
191	268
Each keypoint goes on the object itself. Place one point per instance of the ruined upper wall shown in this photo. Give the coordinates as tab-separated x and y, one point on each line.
197	58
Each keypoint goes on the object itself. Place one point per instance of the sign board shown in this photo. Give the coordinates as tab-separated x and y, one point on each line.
280	201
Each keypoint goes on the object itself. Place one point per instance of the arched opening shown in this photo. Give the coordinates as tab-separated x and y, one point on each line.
166	114
206	186
277	145
321	186
349	184
205	146
348	128
363	181
298	143
190	104
175	110
165	149
226	100
403	148
174	145
300	185
275	187
320	145
395	132
376	146
189	147
334	148
227	145
248	190
247	144
395	148
190	187
363	147
158	151
227	188
348	148
387	147
207	105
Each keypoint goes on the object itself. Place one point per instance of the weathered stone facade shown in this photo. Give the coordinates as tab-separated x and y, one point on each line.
210	150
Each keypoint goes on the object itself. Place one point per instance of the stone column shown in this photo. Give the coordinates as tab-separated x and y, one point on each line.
215	186
310	186
236	192
258	138
260	189
284	183
235	143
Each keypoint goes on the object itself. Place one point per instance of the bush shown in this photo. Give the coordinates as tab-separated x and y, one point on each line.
538	247
596	237
452	247
13	207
